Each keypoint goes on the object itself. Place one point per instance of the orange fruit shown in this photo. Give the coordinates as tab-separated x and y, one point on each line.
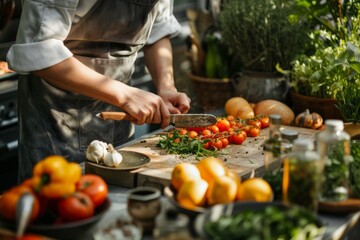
255	189
234	176
183	172
192	193
211	167
222	189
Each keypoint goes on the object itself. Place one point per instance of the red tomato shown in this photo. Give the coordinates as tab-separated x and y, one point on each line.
93	186
225	142
238	138
206	133
246	128
75	207
183	132
196	129
193	134
243	133
207	145
255	123
223	125
254	132
230	118
216	144
265	122
214	129
30	236
176	140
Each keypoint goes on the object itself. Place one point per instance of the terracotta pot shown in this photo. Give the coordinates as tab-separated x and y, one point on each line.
324	106
353	129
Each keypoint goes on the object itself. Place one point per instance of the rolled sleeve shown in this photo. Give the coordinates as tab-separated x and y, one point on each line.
165	23
24	58
43	27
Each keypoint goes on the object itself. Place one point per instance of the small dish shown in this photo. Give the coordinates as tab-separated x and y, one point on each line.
131	160
121	227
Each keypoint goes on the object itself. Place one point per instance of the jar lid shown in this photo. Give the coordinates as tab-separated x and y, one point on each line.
289	134
275	118
303	144
335	124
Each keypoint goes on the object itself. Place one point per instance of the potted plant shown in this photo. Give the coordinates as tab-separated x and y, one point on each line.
320	80
261	34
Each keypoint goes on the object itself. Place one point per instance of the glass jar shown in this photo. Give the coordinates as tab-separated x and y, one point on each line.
275	147
333	145
301	176
289	134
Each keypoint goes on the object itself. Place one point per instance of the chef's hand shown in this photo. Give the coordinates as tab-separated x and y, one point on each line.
176	102
144	106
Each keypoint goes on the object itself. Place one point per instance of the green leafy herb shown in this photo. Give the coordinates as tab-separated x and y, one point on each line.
184	145
270	223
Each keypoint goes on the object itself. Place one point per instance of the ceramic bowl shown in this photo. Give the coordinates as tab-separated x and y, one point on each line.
82	229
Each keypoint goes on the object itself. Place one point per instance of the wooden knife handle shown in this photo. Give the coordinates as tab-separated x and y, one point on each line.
117	116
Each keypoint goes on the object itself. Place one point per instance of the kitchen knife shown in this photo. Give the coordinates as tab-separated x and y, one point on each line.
178	120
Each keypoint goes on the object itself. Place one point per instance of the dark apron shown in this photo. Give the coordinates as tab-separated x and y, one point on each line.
54	121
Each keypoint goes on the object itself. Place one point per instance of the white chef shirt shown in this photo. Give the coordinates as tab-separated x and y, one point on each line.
47	23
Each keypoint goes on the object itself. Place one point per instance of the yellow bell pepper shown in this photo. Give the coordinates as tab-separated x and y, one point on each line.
55	177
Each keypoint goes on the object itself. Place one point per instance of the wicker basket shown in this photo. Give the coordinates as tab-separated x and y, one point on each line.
212	93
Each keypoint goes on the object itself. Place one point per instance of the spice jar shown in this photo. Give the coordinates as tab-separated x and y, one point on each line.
275	147
333	145
301	176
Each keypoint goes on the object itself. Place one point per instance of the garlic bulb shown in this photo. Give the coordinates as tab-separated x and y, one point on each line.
113	158
96	151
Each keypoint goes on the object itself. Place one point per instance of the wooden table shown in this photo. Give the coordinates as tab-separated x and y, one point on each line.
245	159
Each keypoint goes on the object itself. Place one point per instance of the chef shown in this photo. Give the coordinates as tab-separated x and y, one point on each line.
75	59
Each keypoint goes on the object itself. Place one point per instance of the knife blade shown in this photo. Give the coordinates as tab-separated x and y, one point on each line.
177	120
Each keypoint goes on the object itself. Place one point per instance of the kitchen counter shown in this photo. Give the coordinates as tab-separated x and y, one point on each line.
345	226
338	226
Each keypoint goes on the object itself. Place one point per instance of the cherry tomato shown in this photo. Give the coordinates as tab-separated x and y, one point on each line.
214	129
230	118
232	124
193	134
75	207
265	122
254	132
216	144
246	128
183	131
243	133
255	123
93	186
238	138
225	142
207	145
206	133
223	125
196	129
176	140
29	236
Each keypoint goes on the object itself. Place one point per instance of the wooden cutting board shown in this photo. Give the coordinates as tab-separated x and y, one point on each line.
245	159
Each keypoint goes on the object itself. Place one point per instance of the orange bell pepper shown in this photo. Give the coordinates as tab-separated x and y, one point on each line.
10	198
55	177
